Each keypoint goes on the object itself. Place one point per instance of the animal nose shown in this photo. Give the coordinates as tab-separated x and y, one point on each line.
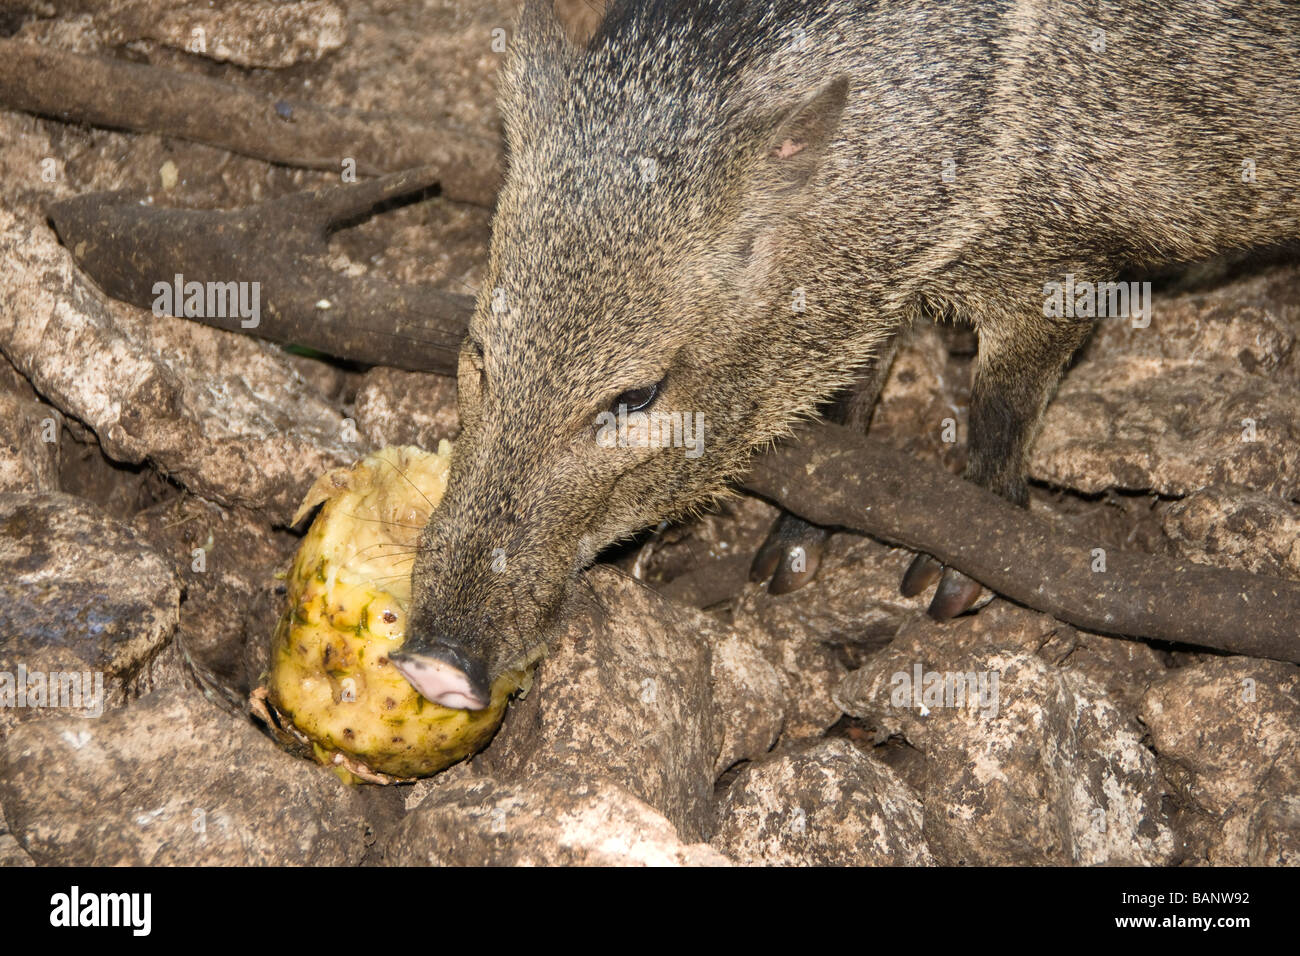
444	674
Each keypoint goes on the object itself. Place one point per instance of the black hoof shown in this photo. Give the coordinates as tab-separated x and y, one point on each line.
790	556
921	573
767	559
955	595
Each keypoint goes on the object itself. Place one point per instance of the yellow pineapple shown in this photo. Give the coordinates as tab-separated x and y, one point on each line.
331	684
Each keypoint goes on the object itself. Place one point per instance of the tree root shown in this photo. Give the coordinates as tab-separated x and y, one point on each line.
118	94
835	477
127	248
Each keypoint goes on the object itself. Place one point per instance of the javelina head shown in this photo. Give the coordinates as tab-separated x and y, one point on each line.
638	265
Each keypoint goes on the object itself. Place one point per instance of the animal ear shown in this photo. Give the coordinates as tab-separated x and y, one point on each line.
534	76
580	18
795	139
784	150
540	28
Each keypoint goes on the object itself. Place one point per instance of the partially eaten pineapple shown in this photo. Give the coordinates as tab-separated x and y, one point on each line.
331	684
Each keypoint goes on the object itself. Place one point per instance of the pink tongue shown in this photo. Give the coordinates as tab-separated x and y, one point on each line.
441	683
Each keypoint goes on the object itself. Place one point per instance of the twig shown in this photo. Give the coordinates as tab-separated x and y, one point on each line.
119	94
835	477
281	245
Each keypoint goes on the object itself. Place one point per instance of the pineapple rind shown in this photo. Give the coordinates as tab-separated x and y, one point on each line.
349	592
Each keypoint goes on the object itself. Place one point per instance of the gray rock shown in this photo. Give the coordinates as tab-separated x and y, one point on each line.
921	410
28	461
227	561
172	780
852	606
11	854
1251	322
422	789
748	697
623	694
1141	424
1037	768
1228	735
705	561
853	600
250	33
825	804
407	408
810	672
221	413
547	820
1123	669
1204	396
1232	528
82	597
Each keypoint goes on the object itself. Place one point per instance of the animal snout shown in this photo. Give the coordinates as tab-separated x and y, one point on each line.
444	673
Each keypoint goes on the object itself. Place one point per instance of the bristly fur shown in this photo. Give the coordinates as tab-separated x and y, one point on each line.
676	182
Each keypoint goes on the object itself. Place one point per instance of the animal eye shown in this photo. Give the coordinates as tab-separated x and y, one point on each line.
637	399
470	368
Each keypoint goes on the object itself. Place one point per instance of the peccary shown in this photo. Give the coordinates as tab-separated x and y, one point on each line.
728	209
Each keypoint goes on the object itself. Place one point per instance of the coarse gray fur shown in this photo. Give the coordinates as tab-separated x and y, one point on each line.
677	182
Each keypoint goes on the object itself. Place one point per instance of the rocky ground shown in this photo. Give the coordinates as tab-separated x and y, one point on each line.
149	467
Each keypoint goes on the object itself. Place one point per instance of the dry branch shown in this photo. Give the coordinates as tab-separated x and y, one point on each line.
127	247
835	477
119	94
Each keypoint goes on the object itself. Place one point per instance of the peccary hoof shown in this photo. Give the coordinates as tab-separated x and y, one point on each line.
920	574
955	594
790	556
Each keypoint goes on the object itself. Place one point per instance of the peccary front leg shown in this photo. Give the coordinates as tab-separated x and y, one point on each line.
792	552
1018	367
